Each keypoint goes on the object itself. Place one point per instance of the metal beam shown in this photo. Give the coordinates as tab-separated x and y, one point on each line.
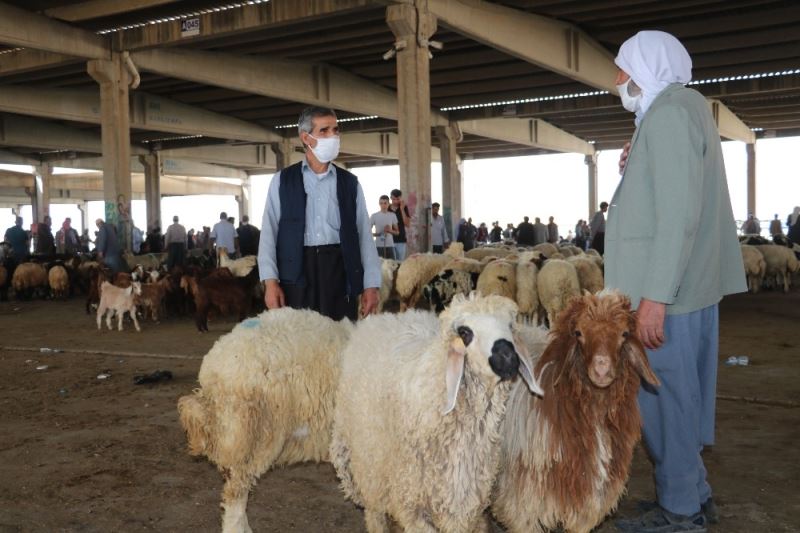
20	27
552	44
729	125
528	132
148	112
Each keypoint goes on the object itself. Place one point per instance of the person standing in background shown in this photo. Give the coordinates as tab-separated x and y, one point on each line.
539	231
18	239
385	224
400	209
552	231
223	235
107	247
45	243
248	237
175	241
597	228
439	238
775	227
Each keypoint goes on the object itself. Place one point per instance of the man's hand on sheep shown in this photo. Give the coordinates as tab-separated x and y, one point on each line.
650	323
369	301
273	295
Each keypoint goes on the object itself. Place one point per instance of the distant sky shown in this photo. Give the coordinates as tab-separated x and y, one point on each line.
500	189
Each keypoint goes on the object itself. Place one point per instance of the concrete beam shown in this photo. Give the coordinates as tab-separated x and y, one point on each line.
148	112
12	179
12	158
170	185
551	44
294	81
18	131
100	8
27	60
248	157
20	27
377	145
527	132
730	126
174	167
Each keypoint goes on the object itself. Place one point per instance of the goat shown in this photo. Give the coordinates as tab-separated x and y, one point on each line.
118	300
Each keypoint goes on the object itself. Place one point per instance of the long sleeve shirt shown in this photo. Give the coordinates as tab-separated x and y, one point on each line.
438	231
176	233
322	223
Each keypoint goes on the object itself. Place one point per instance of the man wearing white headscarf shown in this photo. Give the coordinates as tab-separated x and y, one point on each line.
671	246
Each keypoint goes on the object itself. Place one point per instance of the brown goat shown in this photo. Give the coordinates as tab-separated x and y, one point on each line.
566	456
223	294
152	297
97	275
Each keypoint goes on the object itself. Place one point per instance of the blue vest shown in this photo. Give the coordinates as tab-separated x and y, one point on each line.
292	227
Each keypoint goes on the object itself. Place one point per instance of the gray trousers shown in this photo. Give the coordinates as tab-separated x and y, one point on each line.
678	416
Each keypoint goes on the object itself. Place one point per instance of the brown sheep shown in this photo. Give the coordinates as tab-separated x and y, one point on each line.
223	294
567	455
27	278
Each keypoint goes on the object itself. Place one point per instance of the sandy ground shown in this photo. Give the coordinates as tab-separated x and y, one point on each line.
78	453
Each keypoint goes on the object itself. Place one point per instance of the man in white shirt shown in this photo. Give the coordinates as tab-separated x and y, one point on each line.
385	224
224	235
175	241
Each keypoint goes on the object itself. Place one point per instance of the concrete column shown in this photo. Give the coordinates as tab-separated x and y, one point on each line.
283	153
40	196
113	78
412	26
591	165
243	200
452	181
751	178
152	188
83	207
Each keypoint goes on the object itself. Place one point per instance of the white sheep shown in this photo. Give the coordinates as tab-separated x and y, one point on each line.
755	267
590	277
414	272
120	301
527	274
547	248
558	284
445	285
388	279
266	399
498	277
781	264
58	279
418	413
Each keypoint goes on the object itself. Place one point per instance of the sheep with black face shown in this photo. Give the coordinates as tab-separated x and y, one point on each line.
419	409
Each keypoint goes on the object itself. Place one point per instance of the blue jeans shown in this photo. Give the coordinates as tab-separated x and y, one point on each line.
678	416
399	251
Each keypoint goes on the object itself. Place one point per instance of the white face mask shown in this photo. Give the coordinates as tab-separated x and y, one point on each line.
631	102
327	148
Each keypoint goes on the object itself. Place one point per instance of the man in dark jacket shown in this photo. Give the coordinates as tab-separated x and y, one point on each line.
45	243
524	234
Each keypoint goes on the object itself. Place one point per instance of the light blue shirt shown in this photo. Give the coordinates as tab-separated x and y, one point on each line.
322	223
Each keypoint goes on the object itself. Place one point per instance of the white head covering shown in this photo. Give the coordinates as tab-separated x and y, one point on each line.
654	59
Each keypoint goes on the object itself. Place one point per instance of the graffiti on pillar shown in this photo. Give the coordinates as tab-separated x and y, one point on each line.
417	234
118	215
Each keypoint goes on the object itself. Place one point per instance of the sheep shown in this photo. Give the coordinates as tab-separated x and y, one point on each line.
527	296
456	249
388	280
27	278
444	286
547	248
557	284
238	267
755	266
414	273
498	277
566	251
58	279
590	277
566	456
418	412
148	261
781	263
467	265
265	398
118	300
484	251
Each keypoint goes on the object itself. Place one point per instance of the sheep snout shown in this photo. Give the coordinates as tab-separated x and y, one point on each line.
504	359
601	372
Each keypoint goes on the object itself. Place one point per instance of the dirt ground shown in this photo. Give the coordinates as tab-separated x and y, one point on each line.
78	453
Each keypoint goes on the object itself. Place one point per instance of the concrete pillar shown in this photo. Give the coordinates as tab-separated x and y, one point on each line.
591	165
152	188
114	78
40	196
751	178
83	207
412	26
243	200
283	153
452	181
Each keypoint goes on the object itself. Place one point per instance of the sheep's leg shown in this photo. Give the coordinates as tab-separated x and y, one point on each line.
109	314
100	311
234	501
120	314
376	521
414	522
135	322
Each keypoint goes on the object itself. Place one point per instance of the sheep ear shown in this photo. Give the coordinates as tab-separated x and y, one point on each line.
525	371
635	353
454	372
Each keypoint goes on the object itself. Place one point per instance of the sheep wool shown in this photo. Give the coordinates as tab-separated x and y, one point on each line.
558	284
590	277
59	281
755	267
265	398
410	442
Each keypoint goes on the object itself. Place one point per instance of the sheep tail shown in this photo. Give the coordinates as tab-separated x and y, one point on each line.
192	412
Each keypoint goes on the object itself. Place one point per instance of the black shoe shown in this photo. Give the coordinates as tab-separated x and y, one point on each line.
708	508
659	520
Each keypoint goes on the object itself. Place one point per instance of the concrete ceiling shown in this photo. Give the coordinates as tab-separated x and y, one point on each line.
729	40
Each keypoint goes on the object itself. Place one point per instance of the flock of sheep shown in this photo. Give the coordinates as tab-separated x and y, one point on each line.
768	264
432	417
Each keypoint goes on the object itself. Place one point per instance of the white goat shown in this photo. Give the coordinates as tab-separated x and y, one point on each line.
118	300
238	267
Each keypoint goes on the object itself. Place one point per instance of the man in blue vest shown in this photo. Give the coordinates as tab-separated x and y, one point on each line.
316	249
